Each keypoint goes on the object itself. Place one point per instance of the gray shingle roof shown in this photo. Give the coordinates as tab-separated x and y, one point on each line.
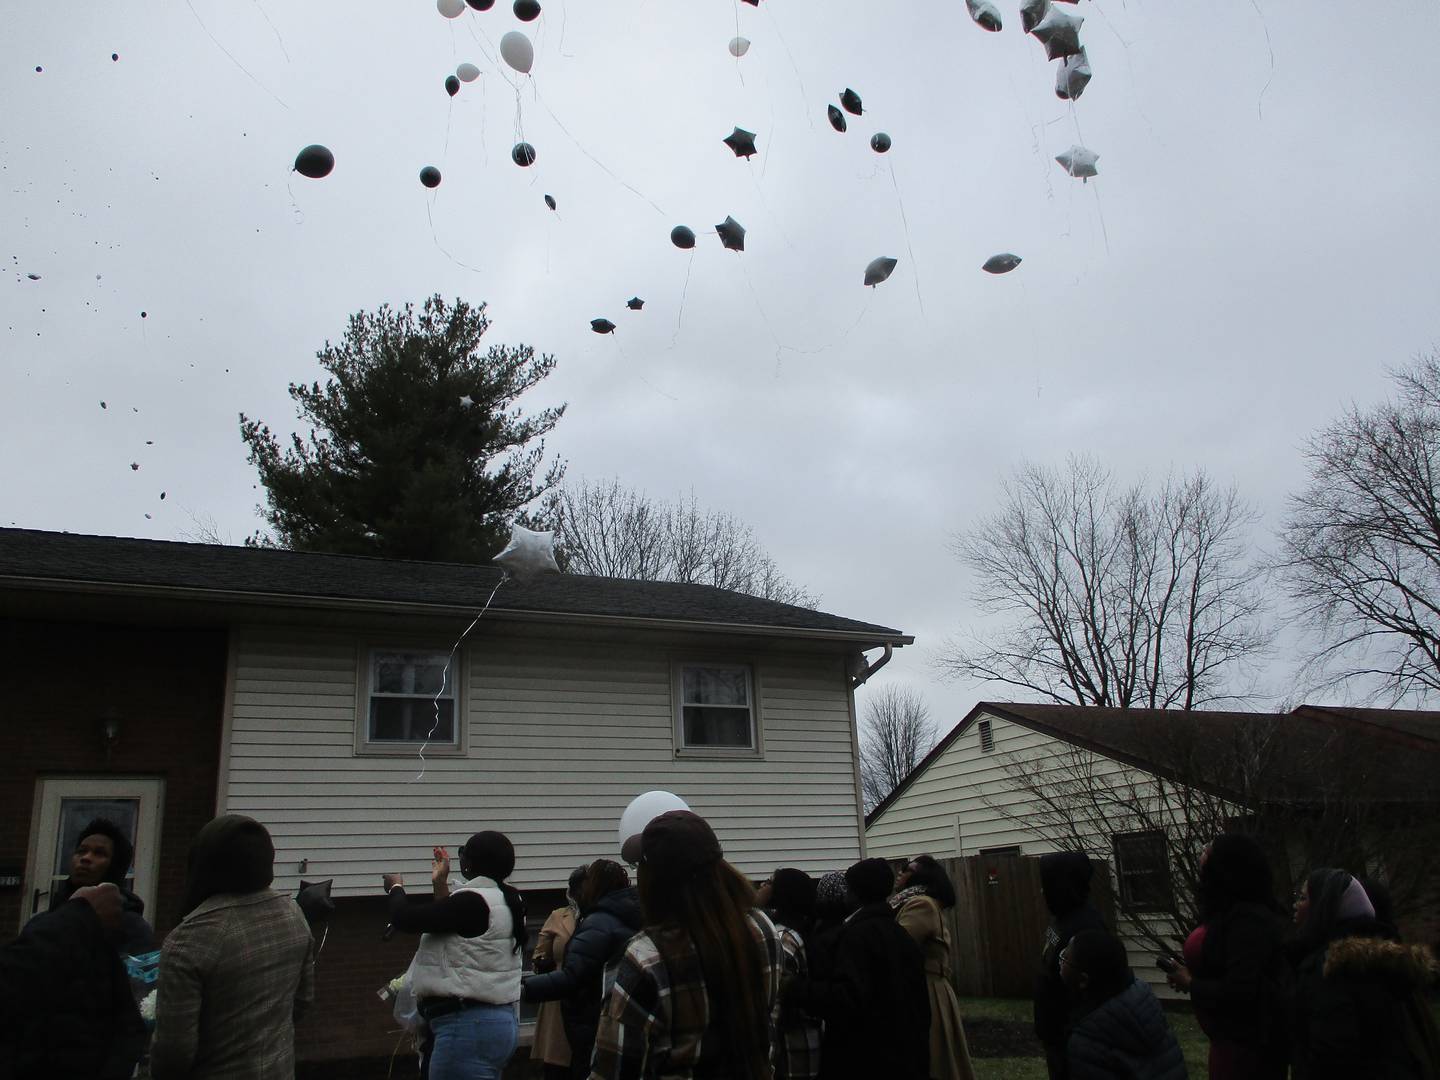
237	573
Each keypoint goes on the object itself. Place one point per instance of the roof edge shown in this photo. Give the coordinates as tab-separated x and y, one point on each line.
340	603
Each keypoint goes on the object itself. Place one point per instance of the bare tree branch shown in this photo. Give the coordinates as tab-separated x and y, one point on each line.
896	732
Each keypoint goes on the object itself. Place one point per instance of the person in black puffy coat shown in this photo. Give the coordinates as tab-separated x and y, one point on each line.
1120	1031
1065	881
609	918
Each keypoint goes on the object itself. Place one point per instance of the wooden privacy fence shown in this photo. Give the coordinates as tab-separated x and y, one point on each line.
998	922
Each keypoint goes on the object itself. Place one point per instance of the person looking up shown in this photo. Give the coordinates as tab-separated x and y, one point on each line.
1119	1028
923	892
1065	882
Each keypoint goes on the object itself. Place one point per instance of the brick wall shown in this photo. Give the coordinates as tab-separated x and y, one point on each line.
167	688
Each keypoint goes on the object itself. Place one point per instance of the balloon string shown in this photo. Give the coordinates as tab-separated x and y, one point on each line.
278	38
231	55
804	94
449	112
738	73
684	292
1104	233
766	204
908	246
1259	102
603	167
441	248
299	214
445	680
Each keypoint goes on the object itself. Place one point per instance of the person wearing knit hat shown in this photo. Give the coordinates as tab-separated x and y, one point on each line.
874	1001
239	968
1361	997
695	991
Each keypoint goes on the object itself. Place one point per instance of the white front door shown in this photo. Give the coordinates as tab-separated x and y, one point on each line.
65	806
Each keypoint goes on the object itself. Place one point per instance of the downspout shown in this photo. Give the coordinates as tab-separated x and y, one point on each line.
857	681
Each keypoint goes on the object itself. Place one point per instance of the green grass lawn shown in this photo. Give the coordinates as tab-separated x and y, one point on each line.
1013	1011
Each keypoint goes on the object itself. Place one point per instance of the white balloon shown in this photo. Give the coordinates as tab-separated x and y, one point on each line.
528	554
467	72
642	810
1072	76
451	9
516	50
1079	162
739	47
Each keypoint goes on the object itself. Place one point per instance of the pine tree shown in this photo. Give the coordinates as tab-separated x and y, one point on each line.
418	449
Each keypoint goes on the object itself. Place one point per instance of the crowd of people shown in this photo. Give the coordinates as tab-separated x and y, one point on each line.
692	971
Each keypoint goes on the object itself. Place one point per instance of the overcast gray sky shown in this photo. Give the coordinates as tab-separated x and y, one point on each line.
1258	247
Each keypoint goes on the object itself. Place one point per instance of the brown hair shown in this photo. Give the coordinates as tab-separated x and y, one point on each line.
712	905
602	877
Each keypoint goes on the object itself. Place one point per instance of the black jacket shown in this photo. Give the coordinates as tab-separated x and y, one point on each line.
1241	987
599	939
1361	1008
134	937
66	1007
1125	1038
1065	878
875	1006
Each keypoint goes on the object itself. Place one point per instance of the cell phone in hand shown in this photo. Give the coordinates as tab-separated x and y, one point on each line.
1167	963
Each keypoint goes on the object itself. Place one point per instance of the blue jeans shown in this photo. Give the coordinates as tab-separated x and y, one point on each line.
474	1043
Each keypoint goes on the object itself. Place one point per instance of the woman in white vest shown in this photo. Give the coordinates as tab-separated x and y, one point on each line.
467	969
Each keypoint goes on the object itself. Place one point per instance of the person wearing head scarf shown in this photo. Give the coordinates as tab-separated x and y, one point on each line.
550	1047
874	1003
1065	884
1120	1029
1361	1005
696	991
609	917
1235	968
832	908
104	853
923	892
466	971
238	970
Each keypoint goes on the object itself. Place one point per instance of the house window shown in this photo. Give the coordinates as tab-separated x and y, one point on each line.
1142	866
716	708
987	737
410	698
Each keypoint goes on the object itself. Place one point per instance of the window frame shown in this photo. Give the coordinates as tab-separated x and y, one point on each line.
677	702
364	675
1122	876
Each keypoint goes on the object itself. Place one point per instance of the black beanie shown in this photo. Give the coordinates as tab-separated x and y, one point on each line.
490	854
870	880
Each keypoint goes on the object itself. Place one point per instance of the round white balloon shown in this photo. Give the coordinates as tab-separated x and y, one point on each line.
642	810
516	50
467	72
451	9
739	47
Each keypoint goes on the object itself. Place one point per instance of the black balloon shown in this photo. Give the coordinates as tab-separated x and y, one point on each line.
314	161
523	154
851	101
430	176
879	142
837	118
452	85
314	900
635	303
550	201
731	233
481	5
602	326
682	237
741	141
527	10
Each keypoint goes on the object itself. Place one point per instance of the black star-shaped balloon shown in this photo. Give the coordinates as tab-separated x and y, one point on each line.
635	303
741	141
850	101
602	326
837	118
550	201
732	234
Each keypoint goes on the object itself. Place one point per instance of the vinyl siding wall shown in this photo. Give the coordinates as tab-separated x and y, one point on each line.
967	801
562	734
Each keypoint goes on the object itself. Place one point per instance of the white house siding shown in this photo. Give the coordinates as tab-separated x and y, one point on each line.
968	788
562	735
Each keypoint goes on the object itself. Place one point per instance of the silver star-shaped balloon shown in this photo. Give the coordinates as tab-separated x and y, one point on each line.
985	14
466	401
1059	33
528	554
1031	12
1072	76
1079	162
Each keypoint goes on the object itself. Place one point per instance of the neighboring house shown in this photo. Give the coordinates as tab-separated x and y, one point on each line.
1146	789
165	682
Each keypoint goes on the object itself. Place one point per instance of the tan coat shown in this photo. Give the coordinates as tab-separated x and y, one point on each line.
550	1044
233	976
949	1054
